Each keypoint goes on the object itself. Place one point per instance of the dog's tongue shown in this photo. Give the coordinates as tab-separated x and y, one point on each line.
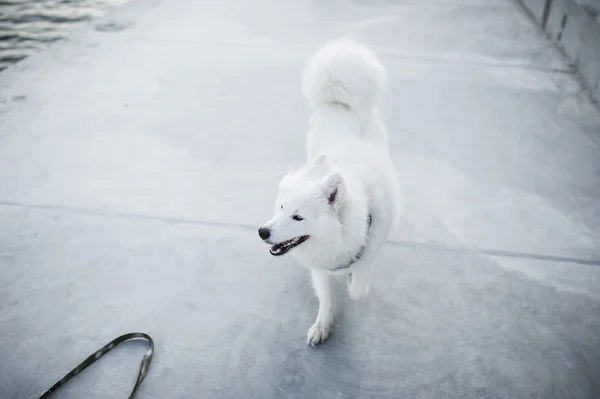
278	250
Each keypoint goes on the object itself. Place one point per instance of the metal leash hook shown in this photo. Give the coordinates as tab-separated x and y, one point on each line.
103	351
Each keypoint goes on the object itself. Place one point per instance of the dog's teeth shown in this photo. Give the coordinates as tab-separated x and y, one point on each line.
285	246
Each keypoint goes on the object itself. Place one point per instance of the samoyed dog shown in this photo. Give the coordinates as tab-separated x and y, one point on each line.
334	214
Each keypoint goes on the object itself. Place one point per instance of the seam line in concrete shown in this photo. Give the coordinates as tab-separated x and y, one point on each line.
391	54
124	215
527	67
496	252
408	244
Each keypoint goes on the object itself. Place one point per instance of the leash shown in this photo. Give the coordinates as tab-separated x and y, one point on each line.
103	351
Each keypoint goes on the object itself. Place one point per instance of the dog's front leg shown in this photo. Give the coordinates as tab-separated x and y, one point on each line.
324	288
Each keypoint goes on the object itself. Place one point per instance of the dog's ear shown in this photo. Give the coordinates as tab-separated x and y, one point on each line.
334	189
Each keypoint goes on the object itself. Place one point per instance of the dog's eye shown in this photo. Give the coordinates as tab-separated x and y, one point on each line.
297	218
281	207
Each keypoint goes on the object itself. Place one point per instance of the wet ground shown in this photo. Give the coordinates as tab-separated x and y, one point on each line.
28	25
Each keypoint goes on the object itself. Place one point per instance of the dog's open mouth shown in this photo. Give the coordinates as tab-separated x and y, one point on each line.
283	247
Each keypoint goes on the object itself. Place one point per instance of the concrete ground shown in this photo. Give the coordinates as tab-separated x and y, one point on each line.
138	159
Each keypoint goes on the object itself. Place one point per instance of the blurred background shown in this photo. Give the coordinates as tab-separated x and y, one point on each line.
28	25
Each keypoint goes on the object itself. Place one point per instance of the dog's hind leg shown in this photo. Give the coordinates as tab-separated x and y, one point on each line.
359	279
358	282
323	284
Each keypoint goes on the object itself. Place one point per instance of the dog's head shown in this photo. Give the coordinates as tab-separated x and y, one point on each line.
306	208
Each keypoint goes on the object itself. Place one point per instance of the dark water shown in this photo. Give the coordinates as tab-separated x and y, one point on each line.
28	25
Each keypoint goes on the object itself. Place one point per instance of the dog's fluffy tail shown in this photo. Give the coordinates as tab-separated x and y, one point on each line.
344	72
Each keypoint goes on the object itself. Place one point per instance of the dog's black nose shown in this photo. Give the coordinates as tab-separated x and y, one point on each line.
264	233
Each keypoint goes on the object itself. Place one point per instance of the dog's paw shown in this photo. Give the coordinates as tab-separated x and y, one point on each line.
318	333
357	289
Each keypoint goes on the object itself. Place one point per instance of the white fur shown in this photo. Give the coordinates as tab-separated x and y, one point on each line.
348	176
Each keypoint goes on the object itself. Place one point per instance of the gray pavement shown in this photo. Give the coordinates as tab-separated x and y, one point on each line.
138	158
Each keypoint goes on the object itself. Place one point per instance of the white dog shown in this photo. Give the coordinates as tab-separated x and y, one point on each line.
337	211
